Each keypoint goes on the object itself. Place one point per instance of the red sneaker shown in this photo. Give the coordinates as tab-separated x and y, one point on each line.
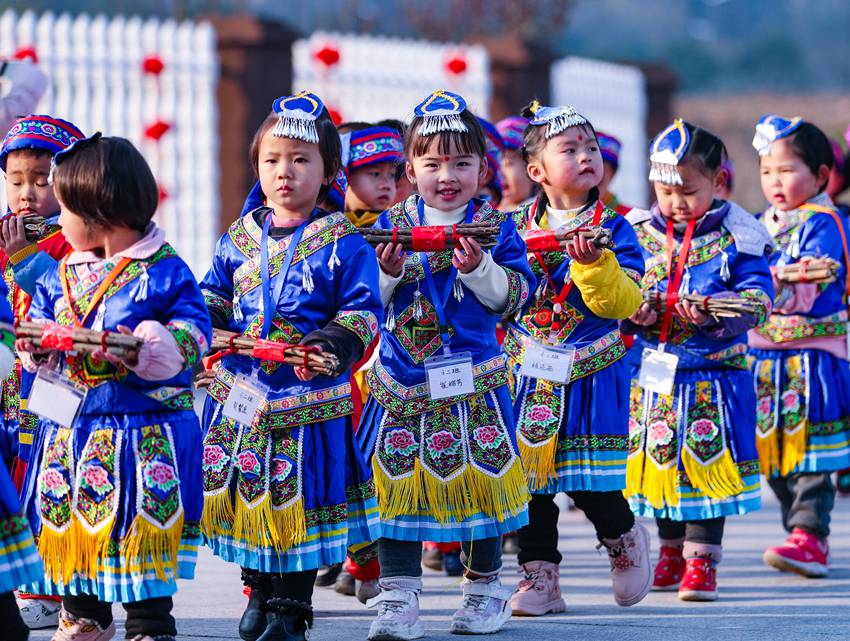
700	580
802	553
669	569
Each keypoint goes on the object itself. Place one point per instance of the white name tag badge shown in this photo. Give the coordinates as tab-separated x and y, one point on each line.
54	397
549	362
449	375
244	399
658	371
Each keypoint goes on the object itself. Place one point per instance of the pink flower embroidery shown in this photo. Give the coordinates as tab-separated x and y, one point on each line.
443	443
540	414
214	457
54	483
248	463
399	442
703	429
161	476
280	469
488	436
764	406
96	478
790	402
660	433
634	426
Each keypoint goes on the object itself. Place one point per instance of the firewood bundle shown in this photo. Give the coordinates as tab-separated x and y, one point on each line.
296	355
731	307
433	238
68	338
544	240
817	271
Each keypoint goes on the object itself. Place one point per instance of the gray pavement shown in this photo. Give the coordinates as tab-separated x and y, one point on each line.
756	602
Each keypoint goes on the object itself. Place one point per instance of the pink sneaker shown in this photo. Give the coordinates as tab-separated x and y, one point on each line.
539	592
802	553
631	568
73	629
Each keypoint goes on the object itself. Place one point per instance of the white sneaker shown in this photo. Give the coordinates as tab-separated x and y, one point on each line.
398	616
485	607
39	613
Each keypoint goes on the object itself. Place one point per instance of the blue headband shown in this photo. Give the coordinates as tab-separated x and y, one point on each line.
772	127
60	156
297	116
441	112
667	150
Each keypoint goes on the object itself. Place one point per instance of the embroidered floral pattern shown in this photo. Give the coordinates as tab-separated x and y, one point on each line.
251	462
400	441
219	443
490	447
793	401
215	458
54	485
443	453
160	502
96	500
541	416
363	324
400	447
284	484
419	338
661	441
704	437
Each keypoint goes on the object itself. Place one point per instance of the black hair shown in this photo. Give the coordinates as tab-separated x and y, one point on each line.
330	148
392	123
32	152
706	150
534	138
354	125
470	141
108	183
812	146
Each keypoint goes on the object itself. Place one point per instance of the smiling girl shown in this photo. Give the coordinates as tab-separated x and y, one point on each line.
286	489
801	370
692	459
444	455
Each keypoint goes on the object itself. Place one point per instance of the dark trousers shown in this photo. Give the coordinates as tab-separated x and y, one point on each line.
609	513
708	531
149	617
806	500
297	586
13	626
404	558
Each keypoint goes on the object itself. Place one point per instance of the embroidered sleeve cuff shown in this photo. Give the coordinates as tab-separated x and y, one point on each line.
190	341
220	308
364	325
19	255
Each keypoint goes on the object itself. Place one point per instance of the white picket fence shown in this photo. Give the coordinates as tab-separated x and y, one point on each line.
97	81
370	78
613	97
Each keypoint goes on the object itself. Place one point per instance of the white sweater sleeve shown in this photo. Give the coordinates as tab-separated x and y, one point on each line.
28	86
388	284
489	283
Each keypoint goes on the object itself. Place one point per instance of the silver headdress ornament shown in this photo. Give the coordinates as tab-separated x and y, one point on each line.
297	116
667	150
441	112
557	119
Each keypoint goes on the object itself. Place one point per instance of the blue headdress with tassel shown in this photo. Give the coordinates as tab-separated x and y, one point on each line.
772	127
556	119
441	112
297	116
667	150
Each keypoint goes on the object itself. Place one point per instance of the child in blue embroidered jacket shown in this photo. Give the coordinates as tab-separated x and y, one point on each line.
114	502
572	430
19	558
692	455
801	372
446	465
289	491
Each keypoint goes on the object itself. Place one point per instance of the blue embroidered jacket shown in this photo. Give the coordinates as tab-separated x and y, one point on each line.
726	258
344	295
597	340
160	287
398	379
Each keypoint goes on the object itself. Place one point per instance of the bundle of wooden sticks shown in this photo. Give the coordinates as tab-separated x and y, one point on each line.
296	355
543	240
79	339
433	238
731	307
817	271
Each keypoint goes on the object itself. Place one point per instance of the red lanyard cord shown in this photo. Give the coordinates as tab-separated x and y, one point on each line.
675	280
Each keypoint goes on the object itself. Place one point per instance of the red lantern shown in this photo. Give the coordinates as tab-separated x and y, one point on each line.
328	55
335	116
157	130
25	53
163	194
456	64
153	65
